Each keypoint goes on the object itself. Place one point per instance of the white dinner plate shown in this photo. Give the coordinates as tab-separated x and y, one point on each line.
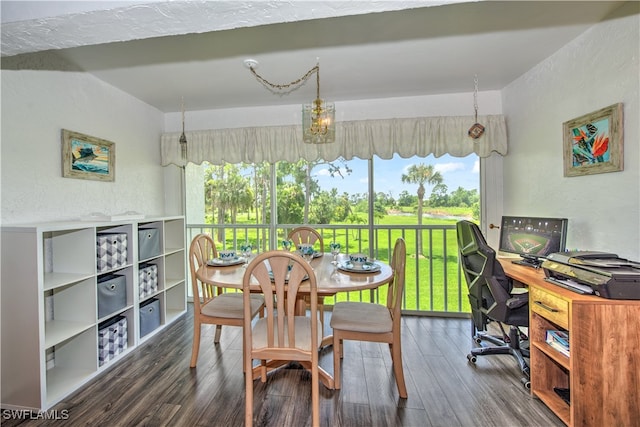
367	267
217	262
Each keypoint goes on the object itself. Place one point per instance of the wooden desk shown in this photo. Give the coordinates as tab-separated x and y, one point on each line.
603	370
330	280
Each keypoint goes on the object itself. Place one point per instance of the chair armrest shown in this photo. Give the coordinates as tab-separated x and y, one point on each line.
518	301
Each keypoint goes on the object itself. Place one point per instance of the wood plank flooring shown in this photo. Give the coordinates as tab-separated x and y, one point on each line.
154	386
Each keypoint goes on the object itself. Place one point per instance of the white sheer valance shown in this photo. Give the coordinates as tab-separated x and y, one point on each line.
407	137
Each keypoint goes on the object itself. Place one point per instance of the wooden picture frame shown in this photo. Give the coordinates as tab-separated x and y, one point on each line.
593	143
87	157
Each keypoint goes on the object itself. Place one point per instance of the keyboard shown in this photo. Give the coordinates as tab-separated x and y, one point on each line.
528	263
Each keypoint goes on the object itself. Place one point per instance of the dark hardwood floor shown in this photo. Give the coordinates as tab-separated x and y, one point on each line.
154	386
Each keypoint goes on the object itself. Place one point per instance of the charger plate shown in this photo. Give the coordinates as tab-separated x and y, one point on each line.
217	262
367	267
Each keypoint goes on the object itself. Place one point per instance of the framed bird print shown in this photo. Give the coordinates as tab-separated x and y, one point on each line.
87	157
593	143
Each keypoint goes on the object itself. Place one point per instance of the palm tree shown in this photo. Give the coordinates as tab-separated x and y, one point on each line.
421	174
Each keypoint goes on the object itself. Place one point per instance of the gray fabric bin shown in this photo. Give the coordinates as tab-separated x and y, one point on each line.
112	294
147	280
148	243
111	251
112	338
149	316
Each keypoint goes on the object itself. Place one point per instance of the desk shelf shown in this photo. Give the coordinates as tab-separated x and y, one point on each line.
552	353
556	404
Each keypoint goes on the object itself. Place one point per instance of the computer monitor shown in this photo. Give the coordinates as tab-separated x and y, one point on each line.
531	237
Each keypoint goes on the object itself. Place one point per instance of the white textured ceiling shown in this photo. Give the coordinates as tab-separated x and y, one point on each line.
161	52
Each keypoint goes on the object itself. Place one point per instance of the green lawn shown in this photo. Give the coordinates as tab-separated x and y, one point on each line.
437	287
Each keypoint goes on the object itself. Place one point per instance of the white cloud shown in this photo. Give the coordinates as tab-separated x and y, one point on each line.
449	167
476	166
441	167
406	168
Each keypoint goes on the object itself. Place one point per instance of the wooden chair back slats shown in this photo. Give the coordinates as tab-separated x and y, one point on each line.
307	235
281	334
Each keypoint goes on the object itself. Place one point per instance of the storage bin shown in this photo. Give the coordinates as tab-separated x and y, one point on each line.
148	243
149	316
112	338
111	250
112	294
147	280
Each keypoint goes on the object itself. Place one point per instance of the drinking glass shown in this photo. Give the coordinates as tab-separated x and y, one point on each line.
246	252
307	253
335	250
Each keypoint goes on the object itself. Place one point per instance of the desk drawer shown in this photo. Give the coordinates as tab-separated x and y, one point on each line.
549	306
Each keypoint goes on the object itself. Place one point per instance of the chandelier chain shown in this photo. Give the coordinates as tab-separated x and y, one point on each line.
318	117
296	82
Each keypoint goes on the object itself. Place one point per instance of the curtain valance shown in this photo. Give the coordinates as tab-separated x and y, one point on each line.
407	137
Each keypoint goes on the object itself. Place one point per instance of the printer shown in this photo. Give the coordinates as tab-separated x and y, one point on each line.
605	274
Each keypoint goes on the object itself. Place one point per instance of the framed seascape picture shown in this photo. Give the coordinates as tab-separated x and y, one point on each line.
87	157
593	143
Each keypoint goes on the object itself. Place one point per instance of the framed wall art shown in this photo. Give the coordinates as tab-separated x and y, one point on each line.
87	157
593	143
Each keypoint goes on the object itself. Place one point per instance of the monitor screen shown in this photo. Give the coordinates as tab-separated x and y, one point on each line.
532	237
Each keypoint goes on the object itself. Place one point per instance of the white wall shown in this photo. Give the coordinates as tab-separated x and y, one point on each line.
36	105
598	69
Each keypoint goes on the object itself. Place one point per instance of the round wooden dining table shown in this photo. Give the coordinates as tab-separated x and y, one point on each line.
330	278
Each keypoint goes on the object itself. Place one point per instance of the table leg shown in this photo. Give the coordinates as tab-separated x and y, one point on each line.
325	377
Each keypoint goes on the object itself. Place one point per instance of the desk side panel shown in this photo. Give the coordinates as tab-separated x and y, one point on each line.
605	363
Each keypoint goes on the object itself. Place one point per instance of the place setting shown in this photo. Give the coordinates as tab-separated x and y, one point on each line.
359	263
305	250
227	258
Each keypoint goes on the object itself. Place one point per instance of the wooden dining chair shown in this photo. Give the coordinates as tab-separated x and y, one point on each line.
307	235
362	321
281	335
211	305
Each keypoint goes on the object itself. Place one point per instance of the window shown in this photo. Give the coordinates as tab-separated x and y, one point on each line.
365	205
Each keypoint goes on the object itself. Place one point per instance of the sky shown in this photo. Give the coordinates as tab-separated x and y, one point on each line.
457	172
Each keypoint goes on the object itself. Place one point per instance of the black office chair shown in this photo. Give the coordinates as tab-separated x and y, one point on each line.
491	299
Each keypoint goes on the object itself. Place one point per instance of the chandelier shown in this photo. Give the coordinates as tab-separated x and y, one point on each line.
318	116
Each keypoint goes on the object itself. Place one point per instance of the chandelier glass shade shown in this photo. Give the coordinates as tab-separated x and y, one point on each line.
318	116
318	122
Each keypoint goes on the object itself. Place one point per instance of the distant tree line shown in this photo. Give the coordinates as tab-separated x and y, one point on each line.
231	190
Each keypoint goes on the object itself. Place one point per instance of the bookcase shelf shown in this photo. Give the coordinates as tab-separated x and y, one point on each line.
49	303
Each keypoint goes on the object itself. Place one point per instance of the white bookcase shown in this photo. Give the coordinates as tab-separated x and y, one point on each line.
49	312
